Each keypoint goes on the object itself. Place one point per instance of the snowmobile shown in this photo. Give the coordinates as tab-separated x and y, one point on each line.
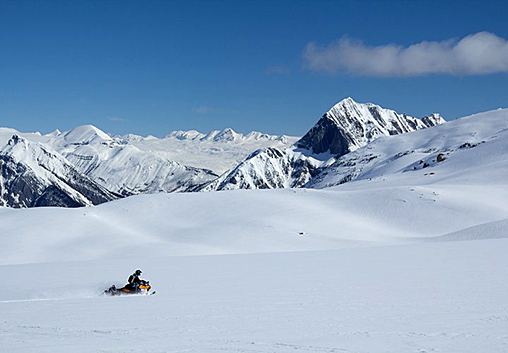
142	288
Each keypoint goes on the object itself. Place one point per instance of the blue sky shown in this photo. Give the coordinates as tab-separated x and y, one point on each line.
149	67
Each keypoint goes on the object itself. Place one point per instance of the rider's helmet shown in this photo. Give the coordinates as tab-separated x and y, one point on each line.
138	273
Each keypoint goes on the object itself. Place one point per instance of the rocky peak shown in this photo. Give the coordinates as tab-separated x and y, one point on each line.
16	139
433	120
349	125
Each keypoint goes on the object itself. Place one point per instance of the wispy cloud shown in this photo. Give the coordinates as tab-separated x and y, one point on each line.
115	118
476	54
278	70
203	109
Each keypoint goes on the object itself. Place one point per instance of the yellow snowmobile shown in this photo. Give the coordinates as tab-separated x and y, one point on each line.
143	288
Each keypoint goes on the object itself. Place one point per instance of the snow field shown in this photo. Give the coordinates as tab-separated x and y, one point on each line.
247	222
443	297
397	279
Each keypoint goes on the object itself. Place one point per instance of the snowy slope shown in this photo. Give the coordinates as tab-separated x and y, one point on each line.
443	297
6	134
34	175
243	221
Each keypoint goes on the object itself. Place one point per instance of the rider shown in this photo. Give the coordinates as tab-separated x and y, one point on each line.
134	280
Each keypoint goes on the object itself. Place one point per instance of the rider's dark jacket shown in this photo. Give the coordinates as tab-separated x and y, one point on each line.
134	279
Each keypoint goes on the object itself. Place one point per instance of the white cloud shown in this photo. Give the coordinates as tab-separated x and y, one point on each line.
476	54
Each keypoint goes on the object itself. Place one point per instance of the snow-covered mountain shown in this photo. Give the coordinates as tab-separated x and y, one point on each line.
124	168
133	164
226	135
219	150
271	168
34	175
346	127
458	150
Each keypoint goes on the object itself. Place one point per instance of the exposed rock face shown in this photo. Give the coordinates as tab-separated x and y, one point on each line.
433	120
32	175
326	136
350	125
344	128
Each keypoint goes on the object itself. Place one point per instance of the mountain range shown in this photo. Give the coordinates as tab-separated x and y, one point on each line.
184	161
